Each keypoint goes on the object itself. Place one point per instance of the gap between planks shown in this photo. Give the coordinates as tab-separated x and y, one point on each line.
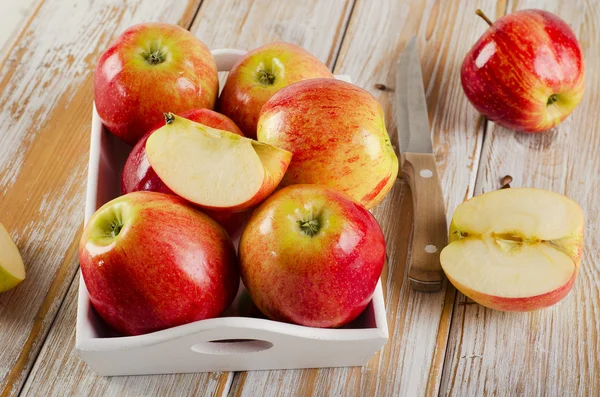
186	20
452	295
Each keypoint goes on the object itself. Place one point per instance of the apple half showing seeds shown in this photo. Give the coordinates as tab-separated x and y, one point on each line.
515	249
215	169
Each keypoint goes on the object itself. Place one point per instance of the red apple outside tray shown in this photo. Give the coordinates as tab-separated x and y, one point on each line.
202	346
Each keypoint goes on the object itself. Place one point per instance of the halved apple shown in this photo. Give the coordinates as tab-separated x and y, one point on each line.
12	270
212	168
515	249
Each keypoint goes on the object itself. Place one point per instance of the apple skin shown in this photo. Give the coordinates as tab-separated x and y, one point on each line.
521	61
323	280
138	175
131	94
244	95
516	304
168	265
337	134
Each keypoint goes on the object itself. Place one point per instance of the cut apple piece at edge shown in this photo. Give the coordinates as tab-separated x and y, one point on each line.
215	169
12	270
515	249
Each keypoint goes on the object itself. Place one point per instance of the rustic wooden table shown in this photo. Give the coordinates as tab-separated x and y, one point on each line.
439	343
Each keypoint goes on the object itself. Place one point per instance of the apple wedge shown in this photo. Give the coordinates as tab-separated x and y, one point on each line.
214	169
515	249
12	270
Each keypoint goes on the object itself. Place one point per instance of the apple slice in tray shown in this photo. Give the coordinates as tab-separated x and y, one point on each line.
214	169
515	249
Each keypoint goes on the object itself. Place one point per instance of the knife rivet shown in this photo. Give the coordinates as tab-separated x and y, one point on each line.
426	173
430	249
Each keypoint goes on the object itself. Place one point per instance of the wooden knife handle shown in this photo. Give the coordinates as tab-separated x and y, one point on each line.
430	230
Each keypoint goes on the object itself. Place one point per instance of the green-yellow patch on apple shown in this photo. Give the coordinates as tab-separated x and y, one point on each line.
515	249
213	168
12	270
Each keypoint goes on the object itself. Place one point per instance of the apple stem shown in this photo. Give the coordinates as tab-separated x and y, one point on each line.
115	228
266	78
169	117
483	16
551	99
155	54
310	228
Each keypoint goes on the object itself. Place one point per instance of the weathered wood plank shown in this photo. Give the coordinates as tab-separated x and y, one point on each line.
315	25
552	352
45	102
59	371
411	362
243	24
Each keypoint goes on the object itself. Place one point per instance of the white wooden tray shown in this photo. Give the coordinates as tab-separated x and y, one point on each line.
234	342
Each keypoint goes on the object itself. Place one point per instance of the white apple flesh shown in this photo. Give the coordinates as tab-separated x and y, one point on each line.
515	249
212	168
12	270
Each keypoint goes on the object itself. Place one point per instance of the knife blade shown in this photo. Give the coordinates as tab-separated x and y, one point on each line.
419	168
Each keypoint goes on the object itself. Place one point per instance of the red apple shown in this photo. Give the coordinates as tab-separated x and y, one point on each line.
150	69
311	256
526	72
150	261
138	175
337	134
261	73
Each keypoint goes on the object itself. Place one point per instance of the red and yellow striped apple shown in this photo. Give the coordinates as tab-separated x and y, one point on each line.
260	74
526	72
138	175
151	261
515	249
310	255
337	134
152	68
214	169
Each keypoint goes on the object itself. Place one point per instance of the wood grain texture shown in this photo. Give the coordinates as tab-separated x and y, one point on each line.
411	362
316	25
45	102
551	352
430	229
58	370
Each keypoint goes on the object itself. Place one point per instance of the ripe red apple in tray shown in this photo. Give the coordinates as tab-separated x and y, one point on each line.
261	73
152	68
151	261
312	256
337	134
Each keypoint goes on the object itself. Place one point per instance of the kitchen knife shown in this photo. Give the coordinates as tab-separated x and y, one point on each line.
430	231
